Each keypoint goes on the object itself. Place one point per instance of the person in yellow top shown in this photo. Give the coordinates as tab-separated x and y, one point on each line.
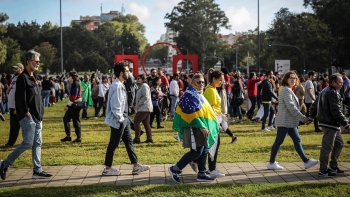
213	97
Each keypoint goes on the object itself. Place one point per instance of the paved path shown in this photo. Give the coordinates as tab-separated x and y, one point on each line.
236	173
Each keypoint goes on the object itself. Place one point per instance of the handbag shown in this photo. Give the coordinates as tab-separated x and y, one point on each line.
78	105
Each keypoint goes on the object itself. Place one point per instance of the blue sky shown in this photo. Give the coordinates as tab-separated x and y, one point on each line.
242	14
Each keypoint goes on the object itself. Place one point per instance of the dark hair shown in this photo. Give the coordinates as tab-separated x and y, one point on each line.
334	77
302	79
321	79
286	77
216	74
74	75
142	77
154	81
311	73
268	72
251	75
120	67
175	75
224	70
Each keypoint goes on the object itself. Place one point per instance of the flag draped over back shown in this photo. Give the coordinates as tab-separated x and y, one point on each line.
195	111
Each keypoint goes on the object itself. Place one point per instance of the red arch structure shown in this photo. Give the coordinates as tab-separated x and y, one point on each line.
149	48
192	58
133	58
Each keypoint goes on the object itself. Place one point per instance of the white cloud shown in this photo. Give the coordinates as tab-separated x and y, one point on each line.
239	17
141	11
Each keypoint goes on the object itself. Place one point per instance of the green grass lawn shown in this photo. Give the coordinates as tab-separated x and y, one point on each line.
252	146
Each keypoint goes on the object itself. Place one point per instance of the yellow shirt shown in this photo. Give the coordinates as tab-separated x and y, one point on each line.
213	97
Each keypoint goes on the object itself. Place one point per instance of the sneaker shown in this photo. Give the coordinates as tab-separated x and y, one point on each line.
174	175
3	170
348	142
148	141
194	166
326	173
66	139
274	166
176	137
78	140
240	121
2	117
216	173
234	140
160	127
310	163
205	178
271	128
336	170
265	130
232	120
95	118
135	141
111	172
41	175
139	168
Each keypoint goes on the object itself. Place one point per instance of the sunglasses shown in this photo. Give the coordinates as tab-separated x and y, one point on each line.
200	82
37	62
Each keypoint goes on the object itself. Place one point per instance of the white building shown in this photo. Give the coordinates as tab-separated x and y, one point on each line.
169	37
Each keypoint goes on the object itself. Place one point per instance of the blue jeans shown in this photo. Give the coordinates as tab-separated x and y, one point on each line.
46	96
268	110
200	155
237	111
31	134
174	101
281	134
85	107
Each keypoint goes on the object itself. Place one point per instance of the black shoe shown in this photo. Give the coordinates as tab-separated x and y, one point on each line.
142	132
160	127
66	139
318	130
8	146
2	117
86	118
326	173
348	142
78	140
41	175
336	170
153	127
234	140
149	141
3	170
135	141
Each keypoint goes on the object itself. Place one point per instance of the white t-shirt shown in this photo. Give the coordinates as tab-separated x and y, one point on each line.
309	85
104	87
174	88
11	96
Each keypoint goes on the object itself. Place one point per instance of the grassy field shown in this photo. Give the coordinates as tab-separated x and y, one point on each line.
253	146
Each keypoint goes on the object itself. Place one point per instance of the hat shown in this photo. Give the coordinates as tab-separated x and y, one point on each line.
18	65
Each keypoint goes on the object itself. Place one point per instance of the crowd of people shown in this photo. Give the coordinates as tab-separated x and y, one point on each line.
201	105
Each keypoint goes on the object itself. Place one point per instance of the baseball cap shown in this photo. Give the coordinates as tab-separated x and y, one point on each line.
18	65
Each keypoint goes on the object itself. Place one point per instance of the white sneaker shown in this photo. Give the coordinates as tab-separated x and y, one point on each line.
216	173
274	166
95	118
310	163
271	128
265	130
140	168
232	120
194	166
111	172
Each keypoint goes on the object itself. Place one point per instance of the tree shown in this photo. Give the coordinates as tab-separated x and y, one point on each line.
76	61
95	61
13	54
47	55
3	18
197	23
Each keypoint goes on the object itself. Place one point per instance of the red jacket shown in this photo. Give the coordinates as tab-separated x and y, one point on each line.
252	87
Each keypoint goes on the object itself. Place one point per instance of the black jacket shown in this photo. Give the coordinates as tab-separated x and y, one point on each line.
28	97
327	108
266	91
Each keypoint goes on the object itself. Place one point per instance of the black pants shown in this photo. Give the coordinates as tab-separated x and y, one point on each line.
157	113
212	163
116	134
14	128
101	104
347	103
308	105
72	114
250	113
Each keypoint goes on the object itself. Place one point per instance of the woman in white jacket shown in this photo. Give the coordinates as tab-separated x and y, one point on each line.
144	108
287	121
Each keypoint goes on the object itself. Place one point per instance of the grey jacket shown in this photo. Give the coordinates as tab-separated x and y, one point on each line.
143	99
288	114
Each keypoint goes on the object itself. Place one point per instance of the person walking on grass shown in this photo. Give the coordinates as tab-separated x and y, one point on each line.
72	112
328	110
287	121
30	111
117	119
14	122
86	95
196	124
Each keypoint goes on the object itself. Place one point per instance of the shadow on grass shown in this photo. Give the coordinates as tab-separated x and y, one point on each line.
184	190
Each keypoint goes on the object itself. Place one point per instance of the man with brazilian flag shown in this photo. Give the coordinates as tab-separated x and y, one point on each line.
197	126
85	87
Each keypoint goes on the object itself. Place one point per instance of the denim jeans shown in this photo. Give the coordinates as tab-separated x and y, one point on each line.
31	134
281	135
6	107
268	111
200	155
237	111
46	96
174	101
85	107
